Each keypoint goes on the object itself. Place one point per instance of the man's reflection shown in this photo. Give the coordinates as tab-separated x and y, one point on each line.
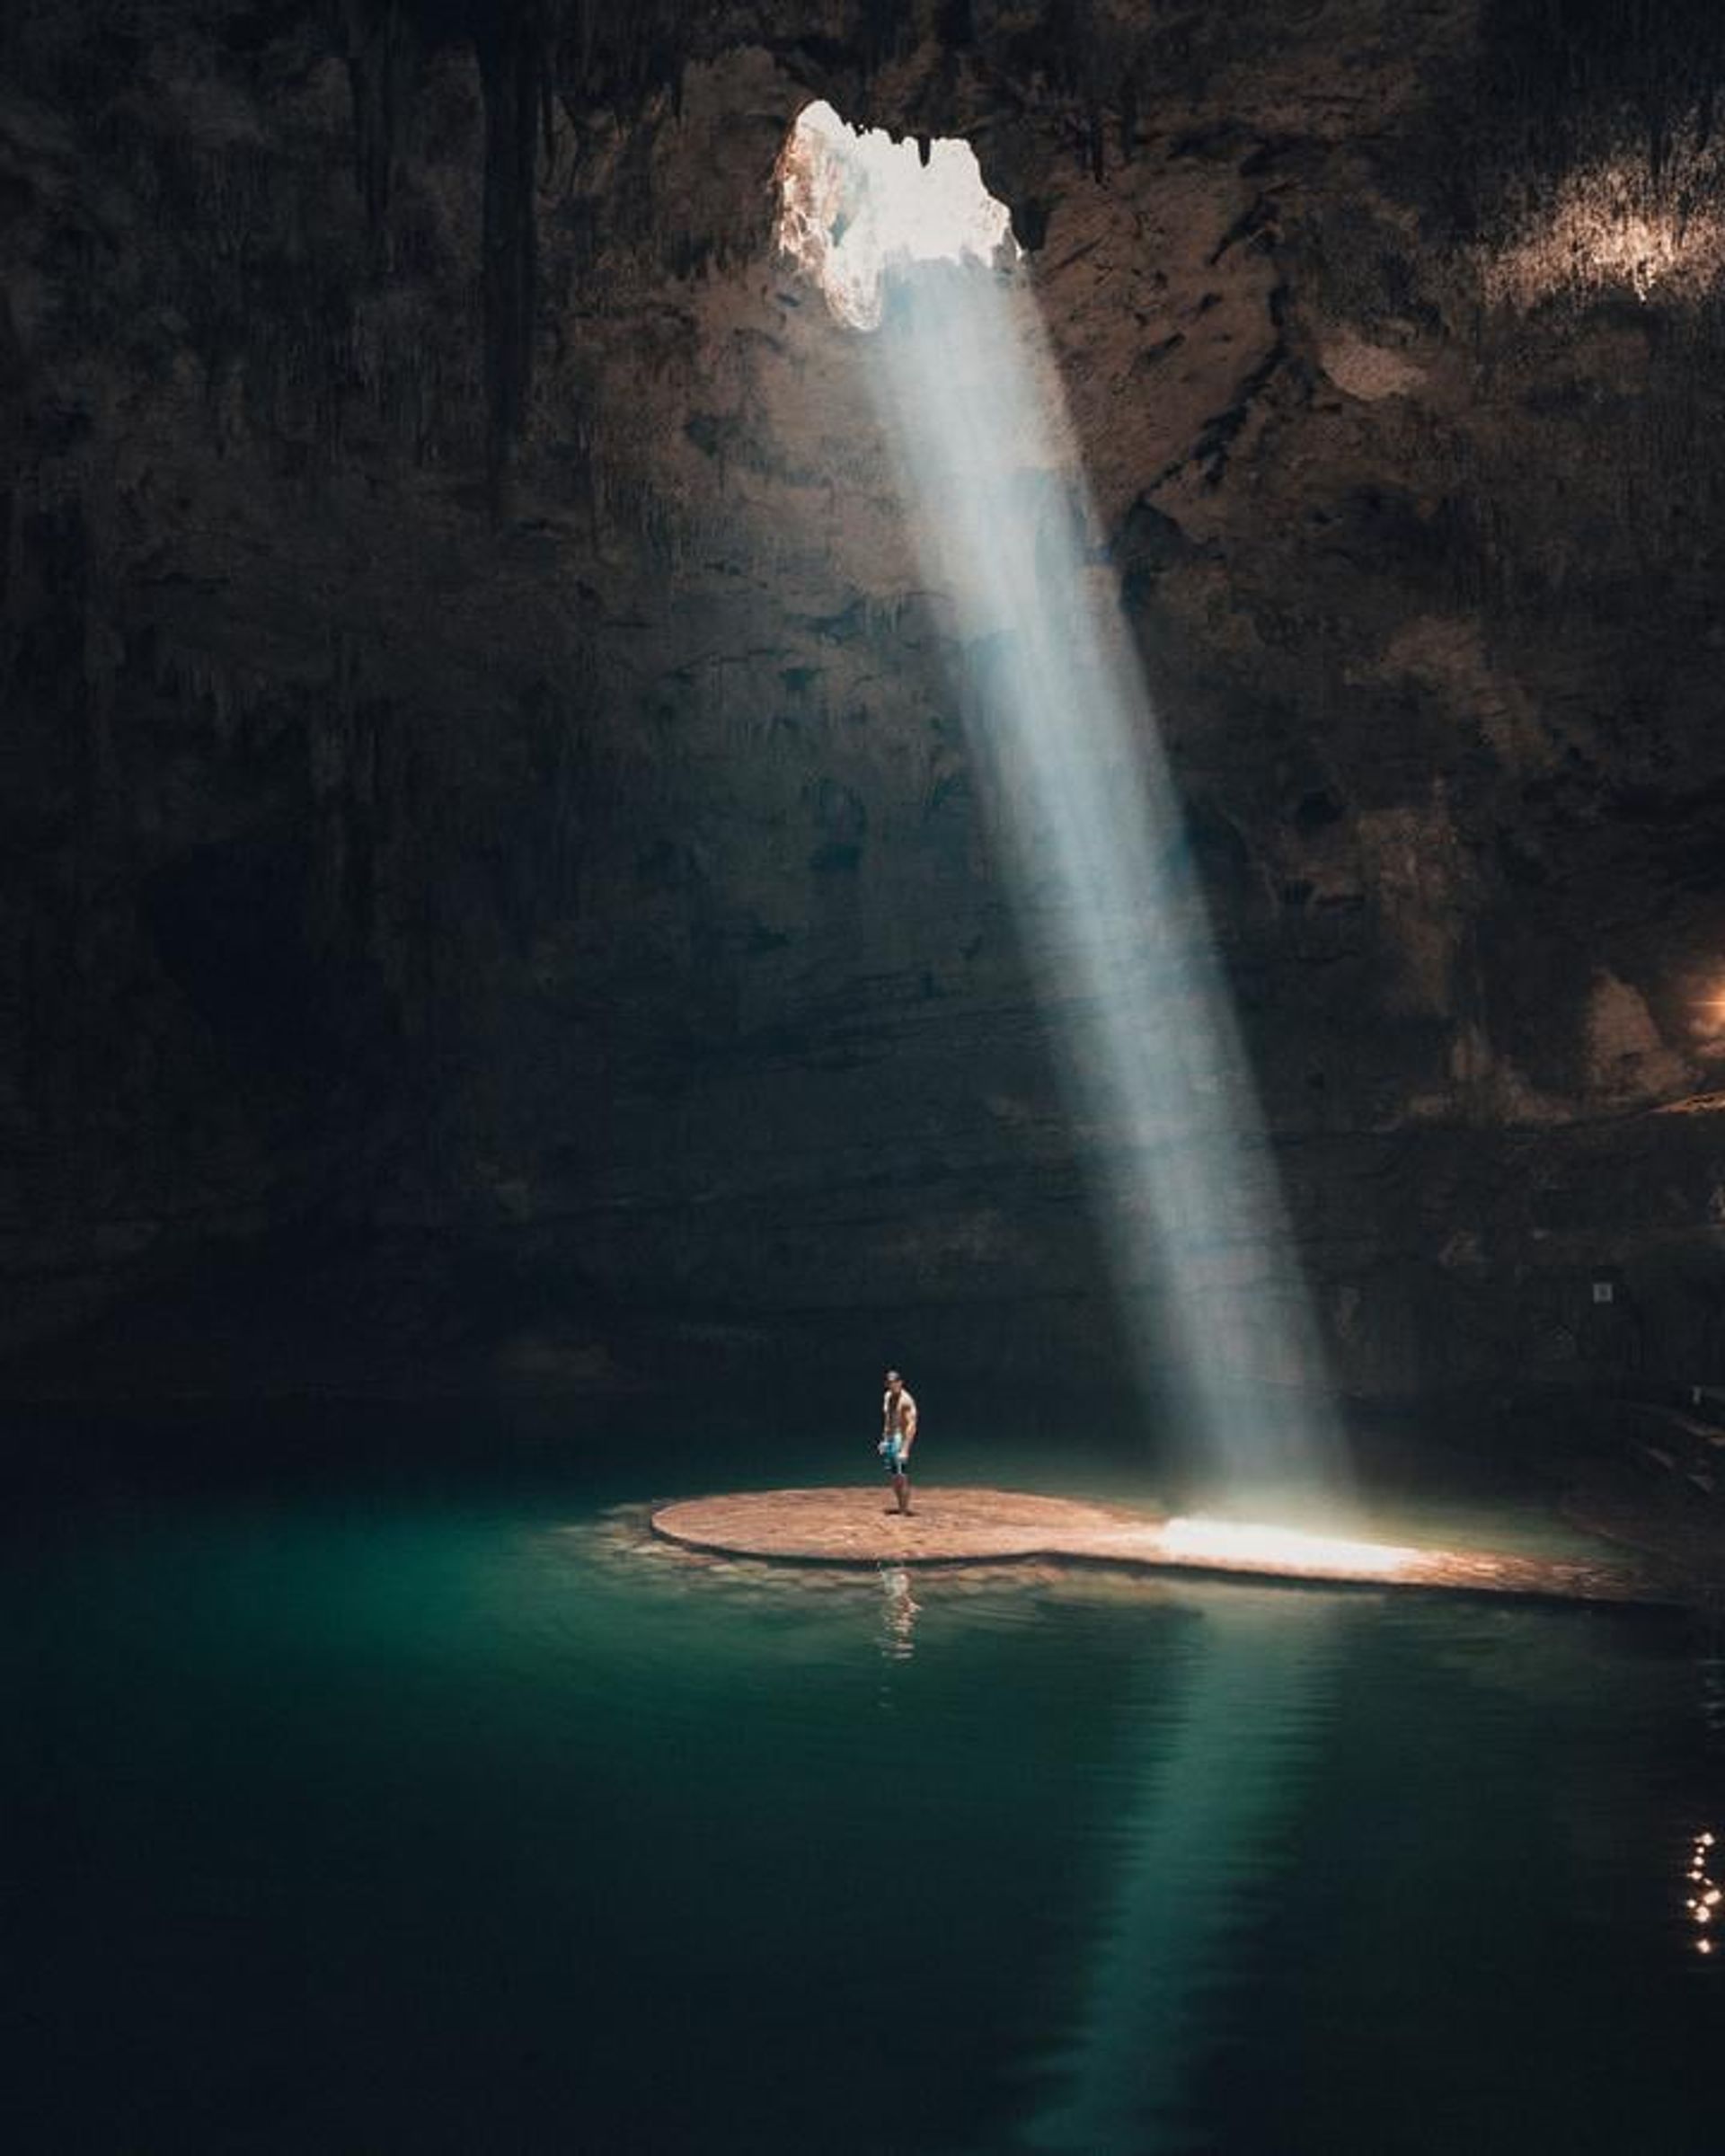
897	1614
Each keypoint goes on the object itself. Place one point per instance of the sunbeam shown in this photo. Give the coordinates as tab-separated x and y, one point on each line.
1090	830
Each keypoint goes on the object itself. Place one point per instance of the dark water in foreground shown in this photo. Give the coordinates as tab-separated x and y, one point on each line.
366	1807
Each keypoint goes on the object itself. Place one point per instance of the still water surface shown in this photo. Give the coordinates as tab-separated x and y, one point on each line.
367	1809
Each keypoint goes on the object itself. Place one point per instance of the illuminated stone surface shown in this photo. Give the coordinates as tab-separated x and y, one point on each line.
858	1526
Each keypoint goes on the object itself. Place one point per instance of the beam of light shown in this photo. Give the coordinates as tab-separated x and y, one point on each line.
1225	1764
1108	907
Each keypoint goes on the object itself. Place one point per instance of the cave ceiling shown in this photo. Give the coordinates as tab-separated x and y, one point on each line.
484	773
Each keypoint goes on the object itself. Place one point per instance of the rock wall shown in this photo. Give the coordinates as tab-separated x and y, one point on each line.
491	847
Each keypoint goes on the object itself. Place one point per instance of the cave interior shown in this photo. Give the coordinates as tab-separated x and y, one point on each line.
498	891
504	898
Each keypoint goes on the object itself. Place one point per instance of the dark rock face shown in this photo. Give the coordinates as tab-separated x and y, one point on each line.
491	845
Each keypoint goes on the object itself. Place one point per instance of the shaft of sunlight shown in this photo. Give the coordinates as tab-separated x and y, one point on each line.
1091	837
1108	903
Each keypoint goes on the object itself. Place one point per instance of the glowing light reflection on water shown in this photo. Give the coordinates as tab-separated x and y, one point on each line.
524	1830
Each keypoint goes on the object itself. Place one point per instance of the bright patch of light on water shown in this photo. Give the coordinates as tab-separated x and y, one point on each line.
1202	1837
488	1794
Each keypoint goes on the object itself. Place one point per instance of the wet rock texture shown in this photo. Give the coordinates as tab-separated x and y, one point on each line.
490	840
851	1527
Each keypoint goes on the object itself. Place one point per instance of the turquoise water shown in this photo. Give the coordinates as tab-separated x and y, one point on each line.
405	1796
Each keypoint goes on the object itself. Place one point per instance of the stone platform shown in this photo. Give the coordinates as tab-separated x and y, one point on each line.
858	1526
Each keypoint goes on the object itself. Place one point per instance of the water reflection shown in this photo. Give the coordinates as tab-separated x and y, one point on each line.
1703	1899
898	1615
1224	1765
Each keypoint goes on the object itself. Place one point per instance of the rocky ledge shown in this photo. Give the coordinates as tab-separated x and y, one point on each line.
852	1526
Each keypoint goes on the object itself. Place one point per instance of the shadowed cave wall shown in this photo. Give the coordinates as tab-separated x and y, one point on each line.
494	884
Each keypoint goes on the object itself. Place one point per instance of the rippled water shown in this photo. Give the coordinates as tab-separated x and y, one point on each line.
376	1811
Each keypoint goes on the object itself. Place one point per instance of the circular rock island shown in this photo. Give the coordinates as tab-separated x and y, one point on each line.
852	1526
857	1527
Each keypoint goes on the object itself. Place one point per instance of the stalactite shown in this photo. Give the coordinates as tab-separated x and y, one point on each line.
621	53
879	31
589	56
547	116
1079	59
510	45
1127	102
382	57
1576	68
958	25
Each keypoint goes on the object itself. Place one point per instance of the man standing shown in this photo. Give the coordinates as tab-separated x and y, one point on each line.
897	1435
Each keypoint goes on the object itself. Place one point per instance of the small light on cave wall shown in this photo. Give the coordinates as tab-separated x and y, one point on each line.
853	205
1703	1902
1707	1019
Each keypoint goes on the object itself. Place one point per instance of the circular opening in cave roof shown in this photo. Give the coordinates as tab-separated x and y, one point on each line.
855	206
